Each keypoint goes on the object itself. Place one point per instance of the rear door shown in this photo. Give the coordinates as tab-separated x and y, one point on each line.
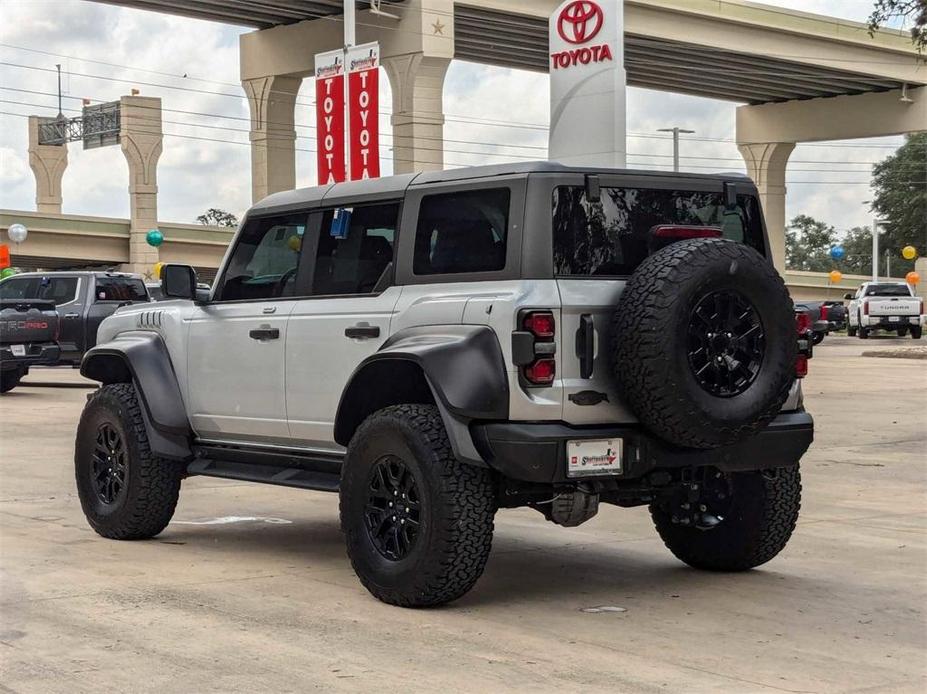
346	316
597	245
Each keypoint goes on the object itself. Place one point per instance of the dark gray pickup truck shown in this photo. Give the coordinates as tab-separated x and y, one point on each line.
28	337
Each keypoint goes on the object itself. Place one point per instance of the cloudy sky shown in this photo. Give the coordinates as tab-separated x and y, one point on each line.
193	66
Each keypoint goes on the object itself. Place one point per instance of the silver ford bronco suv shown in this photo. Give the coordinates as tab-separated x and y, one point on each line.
437	346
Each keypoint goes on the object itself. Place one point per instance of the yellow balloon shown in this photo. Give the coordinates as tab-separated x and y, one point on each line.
835	276
909	252
912	278
157	269
295	243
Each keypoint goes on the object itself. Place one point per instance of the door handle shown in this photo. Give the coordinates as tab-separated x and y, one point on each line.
585	345
72	315
362	331
264	334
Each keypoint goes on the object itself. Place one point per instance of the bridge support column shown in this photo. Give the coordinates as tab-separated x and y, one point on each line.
141	139
272	101
417	83
766	164
48	163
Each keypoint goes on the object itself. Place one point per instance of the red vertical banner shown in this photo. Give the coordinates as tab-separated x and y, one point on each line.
329	115
364	110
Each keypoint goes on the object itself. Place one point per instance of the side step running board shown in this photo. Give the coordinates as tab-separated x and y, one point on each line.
267	474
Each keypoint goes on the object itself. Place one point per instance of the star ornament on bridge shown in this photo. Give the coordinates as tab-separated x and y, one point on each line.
438	28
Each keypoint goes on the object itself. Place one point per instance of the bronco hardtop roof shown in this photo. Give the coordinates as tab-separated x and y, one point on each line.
387	187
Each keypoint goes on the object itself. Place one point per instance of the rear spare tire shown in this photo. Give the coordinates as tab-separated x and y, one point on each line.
704	343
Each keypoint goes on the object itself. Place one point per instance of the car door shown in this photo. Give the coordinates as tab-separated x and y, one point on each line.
345	319
235	357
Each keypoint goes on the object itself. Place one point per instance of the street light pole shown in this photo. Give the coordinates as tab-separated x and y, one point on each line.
876	223
675	132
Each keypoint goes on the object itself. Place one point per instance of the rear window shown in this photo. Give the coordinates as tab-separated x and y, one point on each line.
888	290
60	290
120	289
610	237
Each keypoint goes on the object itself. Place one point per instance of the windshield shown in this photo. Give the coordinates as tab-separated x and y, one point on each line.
611	237
888	290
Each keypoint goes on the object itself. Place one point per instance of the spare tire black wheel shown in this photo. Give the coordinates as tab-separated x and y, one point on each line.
704	343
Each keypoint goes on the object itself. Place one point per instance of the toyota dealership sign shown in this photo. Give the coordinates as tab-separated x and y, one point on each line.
587	83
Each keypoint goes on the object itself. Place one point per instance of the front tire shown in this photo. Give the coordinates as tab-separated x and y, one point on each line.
863	333
418	523
9	379
758	525
126	492
851	331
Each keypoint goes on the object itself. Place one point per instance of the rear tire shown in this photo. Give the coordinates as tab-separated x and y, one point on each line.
431	545
126	492
9	379
863	333
851	330
902	332
763	514
818	338
916	332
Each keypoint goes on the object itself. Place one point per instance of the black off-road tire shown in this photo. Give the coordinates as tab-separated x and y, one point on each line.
147	499
9	379
651	353
457	506
764	510
916	332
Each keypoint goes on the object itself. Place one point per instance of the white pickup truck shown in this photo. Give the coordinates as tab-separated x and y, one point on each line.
885	306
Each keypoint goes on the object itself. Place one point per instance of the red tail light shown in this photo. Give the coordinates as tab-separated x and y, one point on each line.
866	307
802	323
539	323
824	309
679	232
801	366
541	372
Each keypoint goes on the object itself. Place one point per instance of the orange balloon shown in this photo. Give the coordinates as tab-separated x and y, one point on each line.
835	276
912	278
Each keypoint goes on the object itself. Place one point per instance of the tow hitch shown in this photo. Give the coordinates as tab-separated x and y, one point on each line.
700	503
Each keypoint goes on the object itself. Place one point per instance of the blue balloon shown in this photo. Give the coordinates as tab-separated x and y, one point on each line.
837	252
154	238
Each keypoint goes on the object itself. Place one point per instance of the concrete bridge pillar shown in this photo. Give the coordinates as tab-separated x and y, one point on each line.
417	82
272	101
766	164
141	139
48	163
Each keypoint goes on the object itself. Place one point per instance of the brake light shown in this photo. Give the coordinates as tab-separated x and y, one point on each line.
824	309
539	323
801	366
866	307
802	323
541	372
679	232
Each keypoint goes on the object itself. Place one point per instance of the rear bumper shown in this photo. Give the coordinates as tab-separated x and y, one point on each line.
44	354
888	323
537	452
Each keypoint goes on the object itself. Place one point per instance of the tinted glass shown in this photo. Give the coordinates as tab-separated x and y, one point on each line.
355	263
61	290
612	236
263	264
120	289
18	288
462	232
888	290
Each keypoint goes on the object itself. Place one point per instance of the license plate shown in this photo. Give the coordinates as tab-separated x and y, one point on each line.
18	350
596	457
894	319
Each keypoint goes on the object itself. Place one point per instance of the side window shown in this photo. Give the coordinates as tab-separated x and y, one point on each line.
355	249
18	288
61	290
264	262
462	232
119	289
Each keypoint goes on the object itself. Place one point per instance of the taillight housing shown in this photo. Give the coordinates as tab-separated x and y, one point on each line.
802	323
534	347
801	366
866	307
824	310
803	327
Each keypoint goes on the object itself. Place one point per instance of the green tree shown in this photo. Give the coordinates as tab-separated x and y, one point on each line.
857	245
900	184
808	243
911	11
219	218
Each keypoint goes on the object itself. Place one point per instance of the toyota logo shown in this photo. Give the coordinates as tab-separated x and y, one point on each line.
580	21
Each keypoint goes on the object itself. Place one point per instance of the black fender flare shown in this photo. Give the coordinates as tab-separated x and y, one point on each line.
142	358
464	370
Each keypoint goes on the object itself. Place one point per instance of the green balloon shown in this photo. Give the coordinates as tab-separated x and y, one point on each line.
154	238
8	272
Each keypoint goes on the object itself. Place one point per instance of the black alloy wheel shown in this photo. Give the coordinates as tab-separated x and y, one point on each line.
109	464
726	343
392	514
